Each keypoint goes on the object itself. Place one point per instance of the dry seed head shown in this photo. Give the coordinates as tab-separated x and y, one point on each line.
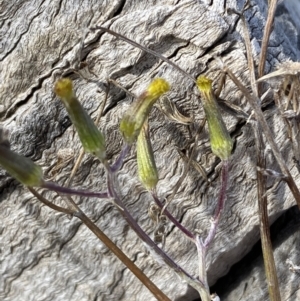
286	81
284	69
171	111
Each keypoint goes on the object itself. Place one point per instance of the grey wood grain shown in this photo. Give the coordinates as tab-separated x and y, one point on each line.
46	256
250	282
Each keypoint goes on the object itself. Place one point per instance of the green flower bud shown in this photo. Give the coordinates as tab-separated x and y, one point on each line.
20	167
91	138
220	140
134	119
146	165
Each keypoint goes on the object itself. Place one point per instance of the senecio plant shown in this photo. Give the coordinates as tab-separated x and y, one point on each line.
135	130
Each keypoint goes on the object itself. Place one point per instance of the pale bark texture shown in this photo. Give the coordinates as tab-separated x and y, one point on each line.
46	256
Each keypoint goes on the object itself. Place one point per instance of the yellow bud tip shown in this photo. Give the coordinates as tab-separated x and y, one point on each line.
158	87
64	88
204	84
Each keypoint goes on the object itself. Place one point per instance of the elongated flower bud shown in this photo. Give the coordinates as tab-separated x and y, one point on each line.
21	168
146	165
133	120
91	138
220	140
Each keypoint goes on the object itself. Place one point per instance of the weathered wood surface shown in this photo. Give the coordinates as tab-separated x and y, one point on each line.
46	256
247	279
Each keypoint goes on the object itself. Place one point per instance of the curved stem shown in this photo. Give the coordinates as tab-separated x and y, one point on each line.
135	44
196	284
187	233
65	190
254	102
117	165
76	211
202	247
220	205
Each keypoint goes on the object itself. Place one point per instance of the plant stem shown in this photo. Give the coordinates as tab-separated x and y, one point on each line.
117	165
49	204
266	37
254	102
105	239
196	284
202	247
220	205
75	168
249	50
188	234
270	268
135	44
269	262
66	190
133	268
